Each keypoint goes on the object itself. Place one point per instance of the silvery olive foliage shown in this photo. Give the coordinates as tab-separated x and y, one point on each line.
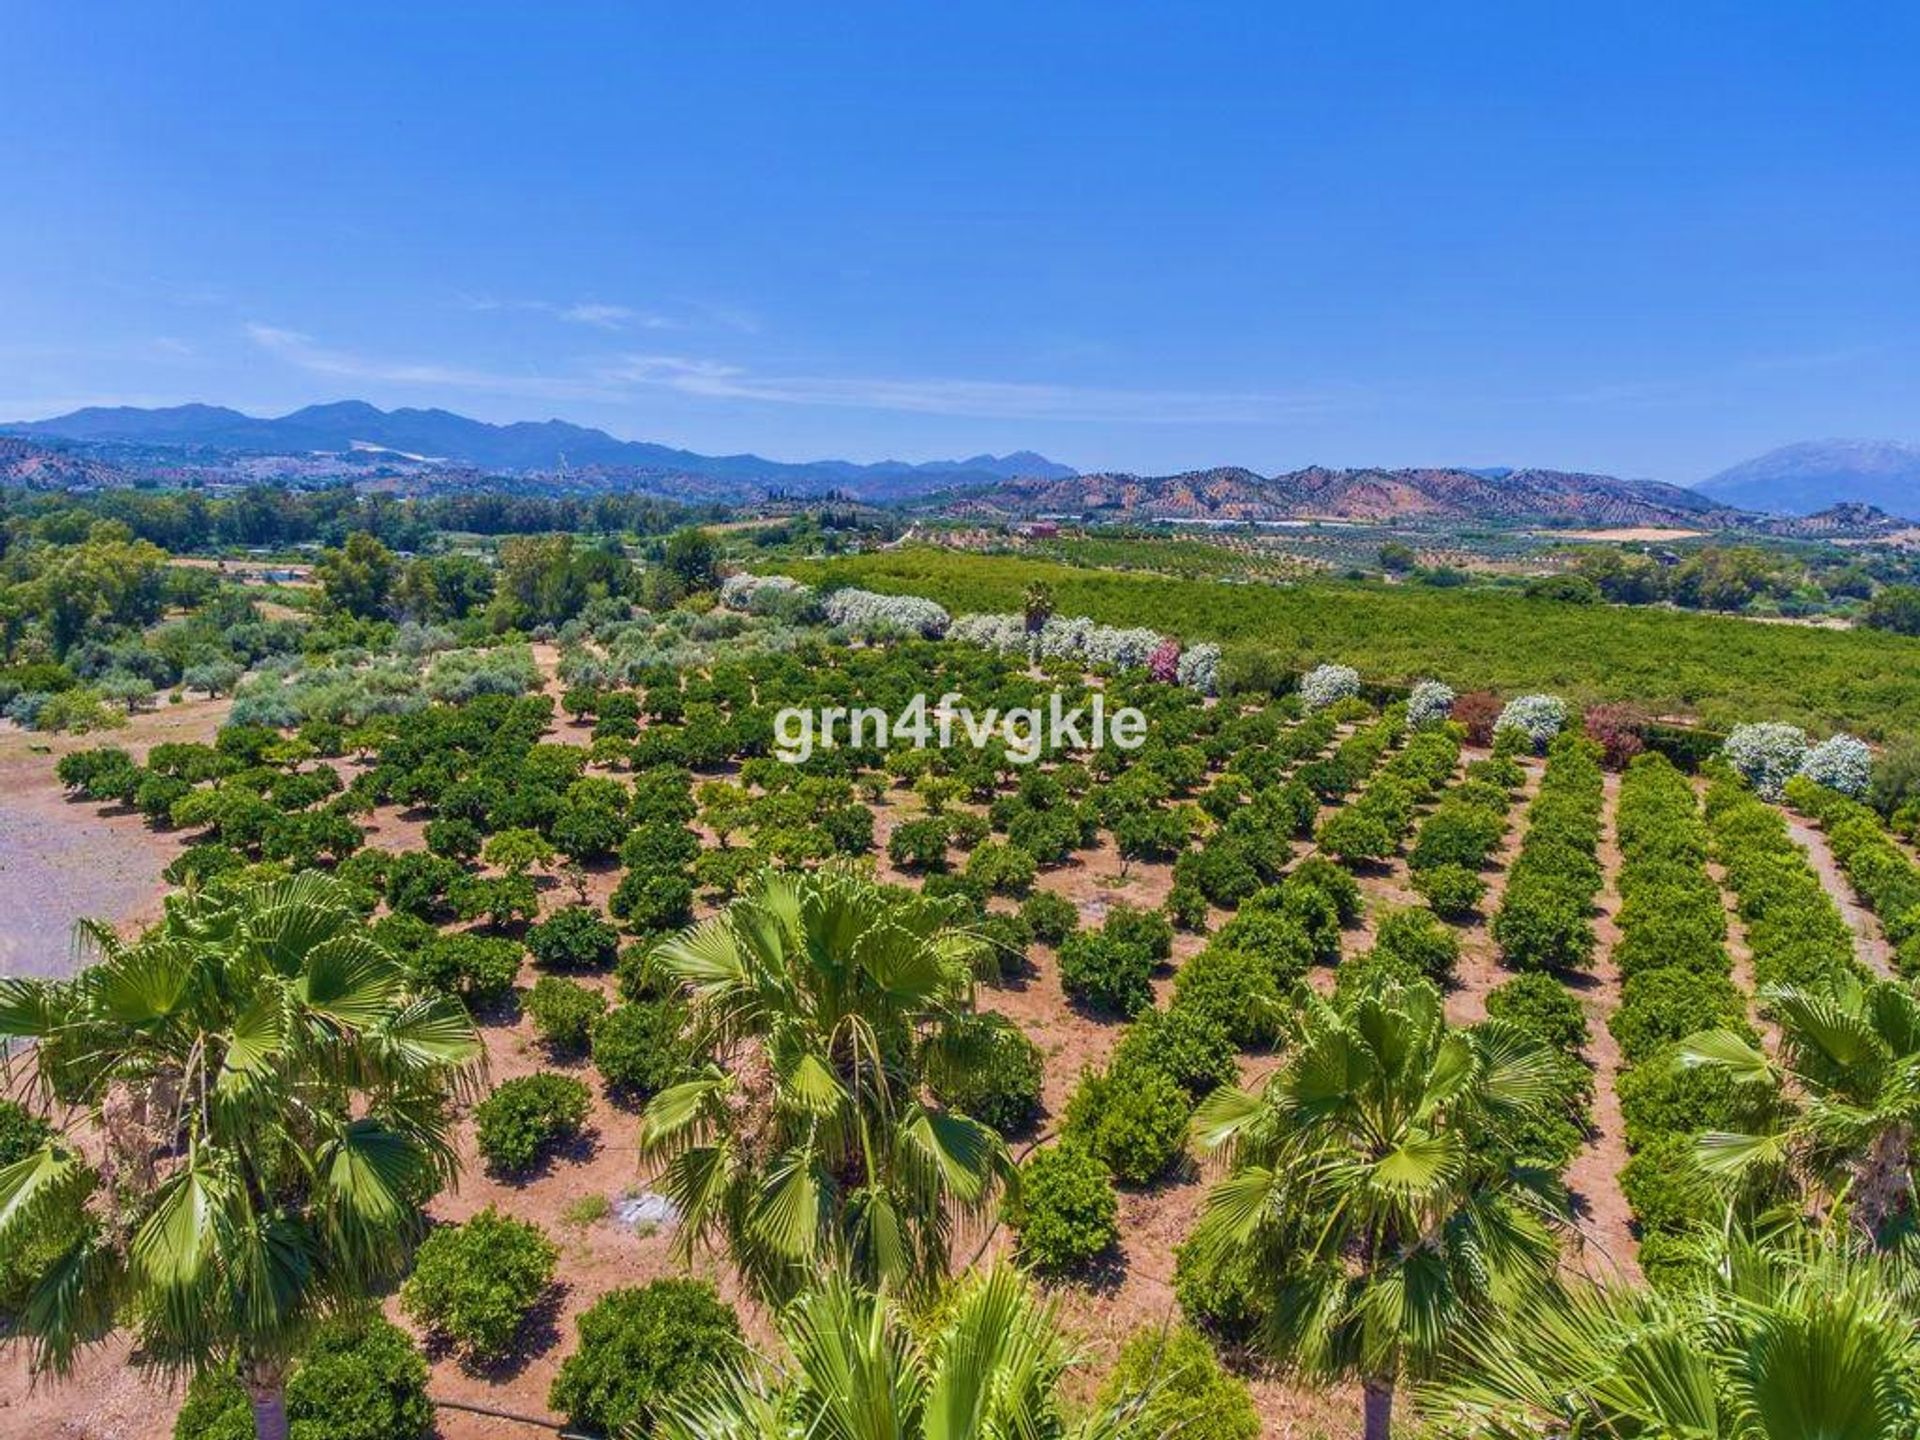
1326	685
414	640
1767	754
752	593
1841	763
1538	717
1200	668
584	667
1430	704
865	612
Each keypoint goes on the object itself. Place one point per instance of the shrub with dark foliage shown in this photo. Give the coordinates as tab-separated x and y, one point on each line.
574	937
563	1012
1066	1213
637	1047
523	1120
1003	1090
641	1346
476	1283
356	1379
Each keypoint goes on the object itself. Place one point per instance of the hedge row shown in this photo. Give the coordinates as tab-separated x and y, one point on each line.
1546	919
1372	827
1354	759
1458	838
1129	1121
1678	980
1794	930
1885	878
1539	1004
1675	971
1259	804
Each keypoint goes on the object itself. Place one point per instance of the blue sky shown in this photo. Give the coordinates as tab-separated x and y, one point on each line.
1644	239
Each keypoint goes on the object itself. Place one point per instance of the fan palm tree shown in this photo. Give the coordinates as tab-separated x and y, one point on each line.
988	1369
1366	1191
1037	606
256	1109
1847	1078
1801	1336
825	1003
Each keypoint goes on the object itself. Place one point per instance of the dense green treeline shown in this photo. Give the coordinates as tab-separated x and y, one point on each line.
1720	670
274	516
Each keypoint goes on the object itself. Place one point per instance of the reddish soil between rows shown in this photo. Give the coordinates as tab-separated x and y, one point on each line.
109	1401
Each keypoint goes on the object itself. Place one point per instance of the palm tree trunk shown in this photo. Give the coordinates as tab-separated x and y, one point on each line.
267	1393
1378	1403
1882	1188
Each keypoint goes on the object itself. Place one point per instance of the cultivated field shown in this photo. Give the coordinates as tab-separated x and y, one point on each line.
1348	815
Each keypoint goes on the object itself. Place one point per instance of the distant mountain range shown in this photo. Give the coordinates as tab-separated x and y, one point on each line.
1817	474
1837	481
1237	495
525	447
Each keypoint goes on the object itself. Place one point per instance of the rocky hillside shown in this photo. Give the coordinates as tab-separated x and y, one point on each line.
1233	494
50	467
1847	520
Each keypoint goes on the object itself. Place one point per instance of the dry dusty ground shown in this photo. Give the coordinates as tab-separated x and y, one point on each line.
60	862
116	878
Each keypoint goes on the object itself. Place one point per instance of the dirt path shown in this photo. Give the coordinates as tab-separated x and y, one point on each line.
1870	942
62	860
1594	1176
111	1401
1480	970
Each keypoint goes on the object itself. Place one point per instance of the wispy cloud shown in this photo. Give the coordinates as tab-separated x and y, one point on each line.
711	379
605	315
303	352
986	399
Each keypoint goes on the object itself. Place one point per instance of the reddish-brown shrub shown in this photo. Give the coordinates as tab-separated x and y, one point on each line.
1619	730
1477	710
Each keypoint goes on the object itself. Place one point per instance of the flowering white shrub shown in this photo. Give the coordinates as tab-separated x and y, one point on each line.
1200	668
1767	755
1065	638
1002	634
866	612
1841	763
1121	649
1430	704
1325	685
1538	717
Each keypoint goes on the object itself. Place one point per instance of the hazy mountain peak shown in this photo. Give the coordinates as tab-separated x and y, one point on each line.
526	446
1814	475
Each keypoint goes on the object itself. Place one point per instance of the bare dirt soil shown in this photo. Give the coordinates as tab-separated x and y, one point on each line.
1606	1221
61	862
114	872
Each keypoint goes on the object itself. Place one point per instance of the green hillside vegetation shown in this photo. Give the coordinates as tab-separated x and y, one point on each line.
1716	669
